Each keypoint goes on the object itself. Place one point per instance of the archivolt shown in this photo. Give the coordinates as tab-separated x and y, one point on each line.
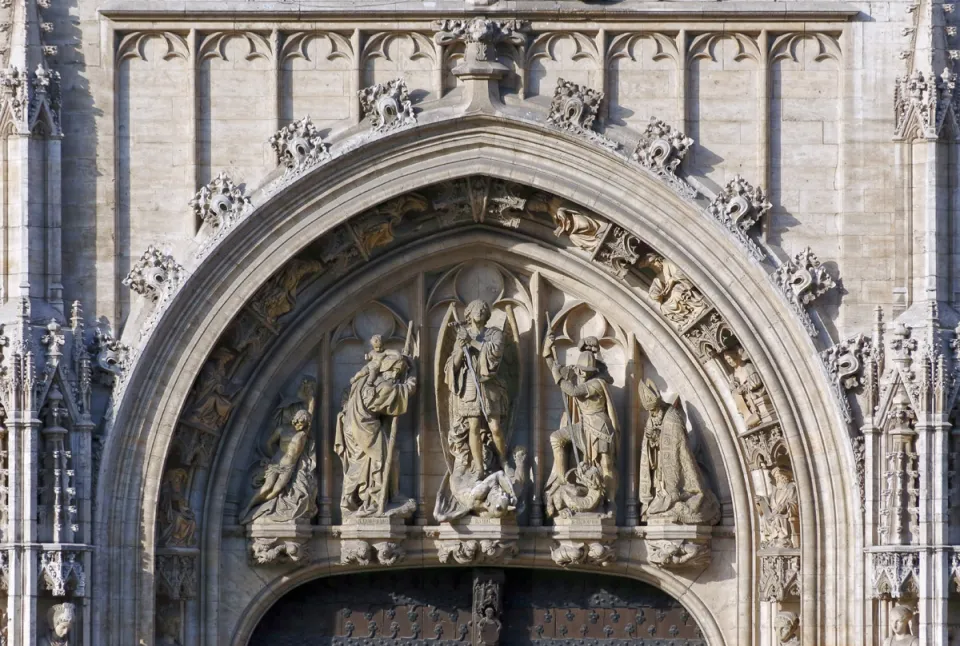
286	223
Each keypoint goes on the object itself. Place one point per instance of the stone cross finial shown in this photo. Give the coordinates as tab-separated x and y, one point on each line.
481	37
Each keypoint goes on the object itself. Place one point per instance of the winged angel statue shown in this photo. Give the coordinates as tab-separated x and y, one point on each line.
478	378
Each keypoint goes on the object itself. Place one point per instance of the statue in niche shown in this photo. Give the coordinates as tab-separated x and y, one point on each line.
487	608
478	378
583	231
60	620
748	390
589	428
787	628
365	440
780	512
680	302
178	524
672	489
900	635
287	485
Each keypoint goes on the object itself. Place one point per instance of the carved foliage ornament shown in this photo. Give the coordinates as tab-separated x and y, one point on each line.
299	146
738	208
801	280
387	105
472	552
574	109
221	203
660	150
675	554
155	276
357	552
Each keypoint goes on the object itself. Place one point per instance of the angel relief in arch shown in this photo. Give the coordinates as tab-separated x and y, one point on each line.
478	374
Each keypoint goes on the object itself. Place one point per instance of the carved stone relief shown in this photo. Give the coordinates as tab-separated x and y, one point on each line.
676	554
155	276
299	147
780	512
894	575
738	208
787	628
779	577
575	108
62	573
660	150
60	621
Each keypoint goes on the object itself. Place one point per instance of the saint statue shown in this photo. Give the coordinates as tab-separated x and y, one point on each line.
178	523
787	628
589	427
287	486
477	378
672	489
780	512
900	618
60	620
679	300
366	433
747	387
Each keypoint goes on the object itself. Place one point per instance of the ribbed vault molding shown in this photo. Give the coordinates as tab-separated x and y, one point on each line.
287	221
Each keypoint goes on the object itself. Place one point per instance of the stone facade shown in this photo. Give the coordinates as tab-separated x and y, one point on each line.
299	293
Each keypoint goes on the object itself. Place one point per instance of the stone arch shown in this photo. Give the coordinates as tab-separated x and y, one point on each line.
287	221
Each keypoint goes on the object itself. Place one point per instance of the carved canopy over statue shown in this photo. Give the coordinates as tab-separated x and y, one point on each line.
477	382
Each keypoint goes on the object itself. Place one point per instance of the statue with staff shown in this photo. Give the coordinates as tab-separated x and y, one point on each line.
366	434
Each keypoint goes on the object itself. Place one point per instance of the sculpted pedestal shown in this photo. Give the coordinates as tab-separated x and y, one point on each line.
674	547
278	542
473	539
584	539
376	539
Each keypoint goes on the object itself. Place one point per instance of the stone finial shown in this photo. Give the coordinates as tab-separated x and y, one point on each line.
155	275
574	108
922	104
801	280
738	208
480	36
220	203
387	105
299	145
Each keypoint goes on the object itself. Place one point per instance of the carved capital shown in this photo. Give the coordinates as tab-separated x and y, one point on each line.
299	146
894	575
575	108
801	280
567	553
779	577
359	552
155	276
387	105
660	150
62	573
221	203
738	208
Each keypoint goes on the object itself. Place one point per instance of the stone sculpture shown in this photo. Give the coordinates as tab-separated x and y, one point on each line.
749	393
584	231
900	635
787	628
478	377
60	620
672	489
780	512
287	486
680	302
365	440
589	427
178	523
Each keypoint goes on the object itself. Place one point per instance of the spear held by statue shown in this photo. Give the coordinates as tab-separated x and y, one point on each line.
392	442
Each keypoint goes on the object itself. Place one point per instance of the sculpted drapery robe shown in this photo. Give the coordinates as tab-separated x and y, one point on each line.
671	486
363	429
